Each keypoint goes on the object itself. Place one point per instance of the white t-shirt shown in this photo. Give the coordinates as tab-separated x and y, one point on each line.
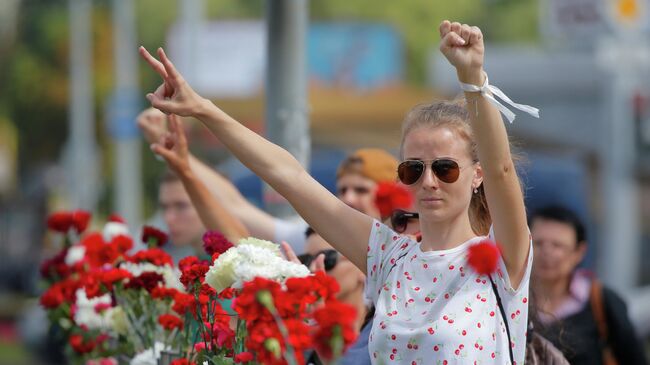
431	308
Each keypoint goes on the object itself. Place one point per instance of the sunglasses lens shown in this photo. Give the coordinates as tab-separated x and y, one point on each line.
446	170
410	171
331	258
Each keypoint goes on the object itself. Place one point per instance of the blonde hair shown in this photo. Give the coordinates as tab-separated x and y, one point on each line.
454	116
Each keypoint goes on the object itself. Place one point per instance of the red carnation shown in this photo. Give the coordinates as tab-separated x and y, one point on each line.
152	236
182	362
80	220
60	221
483	257
391	196
147	280
163	293
116	218
194	274
170	321
81	346
215	242
243	357
335	333
155	256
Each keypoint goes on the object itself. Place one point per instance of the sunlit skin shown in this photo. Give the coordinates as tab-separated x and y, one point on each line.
358	192
442	205
351	280
556	256
183	222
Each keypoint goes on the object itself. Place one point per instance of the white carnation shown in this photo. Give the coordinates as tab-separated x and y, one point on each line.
221	274
149	356
88	316
113	229
75	254
249	259
251	241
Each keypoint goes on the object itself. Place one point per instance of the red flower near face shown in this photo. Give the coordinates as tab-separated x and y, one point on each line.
483	257
81	346
335	321
391	196
153	236
170	321
60	221
147	280
325	286
215	242
80	220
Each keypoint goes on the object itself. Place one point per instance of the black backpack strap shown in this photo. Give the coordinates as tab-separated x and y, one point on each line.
505	318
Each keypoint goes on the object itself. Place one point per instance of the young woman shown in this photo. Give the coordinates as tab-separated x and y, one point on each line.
430	307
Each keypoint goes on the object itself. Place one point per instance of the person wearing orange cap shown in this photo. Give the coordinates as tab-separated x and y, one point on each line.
356	182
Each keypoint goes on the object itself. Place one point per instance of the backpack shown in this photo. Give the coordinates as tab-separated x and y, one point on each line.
598	309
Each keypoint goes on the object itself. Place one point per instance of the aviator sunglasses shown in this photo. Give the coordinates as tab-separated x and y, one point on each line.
331	258
446	170
400	219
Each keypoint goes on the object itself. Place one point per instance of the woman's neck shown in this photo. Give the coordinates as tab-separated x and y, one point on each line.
445	235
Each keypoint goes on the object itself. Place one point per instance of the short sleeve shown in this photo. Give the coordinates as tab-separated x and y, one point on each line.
291	232
502	277
384	249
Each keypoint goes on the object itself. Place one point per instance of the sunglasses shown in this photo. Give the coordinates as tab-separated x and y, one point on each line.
399	220
446	170
331	258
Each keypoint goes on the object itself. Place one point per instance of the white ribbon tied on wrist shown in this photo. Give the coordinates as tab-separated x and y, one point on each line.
487	91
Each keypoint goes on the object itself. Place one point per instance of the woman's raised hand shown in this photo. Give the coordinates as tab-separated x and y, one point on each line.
172	146
463	47
174	96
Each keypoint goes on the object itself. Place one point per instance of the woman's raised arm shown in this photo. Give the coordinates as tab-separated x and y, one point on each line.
463	46
343	227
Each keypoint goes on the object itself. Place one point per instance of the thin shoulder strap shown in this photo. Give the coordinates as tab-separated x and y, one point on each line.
598	308
505	318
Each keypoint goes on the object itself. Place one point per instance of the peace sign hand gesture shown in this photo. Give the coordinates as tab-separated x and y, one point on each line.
463	47
174	96
173	147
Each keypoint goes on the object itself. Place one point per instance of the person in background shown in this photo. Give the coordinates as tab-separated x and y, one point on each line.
356	182
571	303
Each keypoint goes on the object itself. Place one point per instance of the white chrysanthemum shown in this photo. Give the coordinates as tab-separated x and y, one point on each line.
149	356
87	315
170	275
251	241
113	229
75	254
221	274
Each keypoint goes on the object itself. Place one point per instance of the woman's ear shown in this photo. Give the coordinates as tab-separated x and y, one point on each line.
478	176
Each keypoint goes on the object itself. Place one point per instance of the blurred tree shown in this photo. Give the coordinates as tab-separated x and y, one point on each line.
34	64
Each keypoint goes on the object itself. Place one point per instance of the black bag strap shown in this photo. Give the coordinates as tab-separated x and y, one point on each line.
505	318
